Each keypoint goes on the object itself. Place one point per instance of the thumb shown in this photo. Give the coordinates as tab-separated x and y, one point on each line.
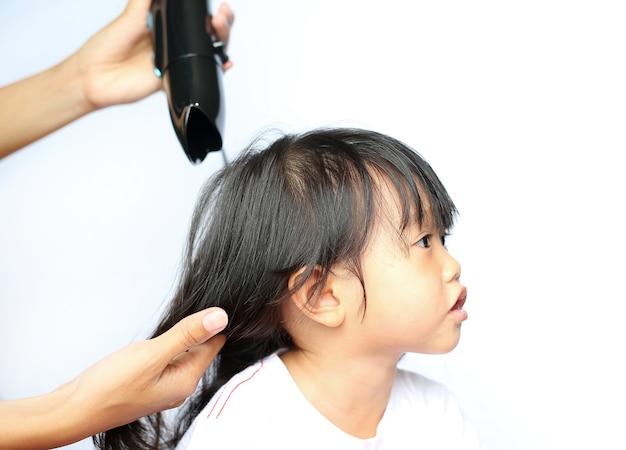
138	7
191	331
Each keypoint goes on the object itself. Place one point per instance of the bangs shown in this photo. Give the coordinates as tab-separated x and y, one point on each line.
335	176
418	200
421	197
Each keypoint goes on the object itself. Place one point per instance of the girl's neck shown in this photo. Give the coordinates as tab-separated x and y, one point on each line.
350	392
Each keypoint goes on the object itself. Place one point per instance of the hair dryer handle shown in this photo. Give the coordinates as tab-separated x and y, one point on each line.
185	57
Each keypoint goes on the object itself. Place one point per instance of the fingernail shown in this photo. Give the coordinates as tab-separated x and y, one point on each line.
215	320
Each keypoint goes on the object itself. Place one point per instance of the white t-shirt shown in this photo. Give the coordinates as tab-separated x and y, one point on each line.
263	408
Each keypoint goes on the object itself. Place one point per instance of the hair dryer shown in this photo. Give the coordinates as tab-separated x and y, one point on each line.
185	56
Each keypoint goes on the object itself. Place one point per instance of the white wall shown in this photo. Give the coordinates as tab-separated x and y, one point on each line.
519	106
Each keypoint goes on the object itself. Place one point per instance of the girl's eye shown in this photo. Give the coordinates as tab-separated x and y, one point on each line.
424	242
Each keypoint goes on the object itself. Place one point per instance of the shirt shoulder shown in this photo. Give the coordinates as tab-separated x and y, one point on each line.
243	411
250	390
428	410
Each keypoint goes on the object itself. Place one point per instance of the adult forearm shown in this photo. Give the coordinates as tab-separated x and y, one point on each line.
43	422
38	105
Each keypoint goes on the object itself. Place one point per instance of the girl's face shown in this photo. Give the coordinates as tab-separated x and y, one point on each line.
414	293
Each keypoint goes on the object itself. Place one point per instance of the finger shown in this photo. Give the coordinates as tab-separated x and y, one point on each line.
222	22
194	363
191	331
138	7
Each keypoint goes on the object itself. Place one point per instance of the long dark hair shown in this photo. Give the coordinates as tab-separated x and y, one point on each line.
305	201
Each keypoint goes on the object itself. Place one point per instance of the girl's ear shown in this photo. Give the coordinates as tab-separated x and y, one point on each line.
325	306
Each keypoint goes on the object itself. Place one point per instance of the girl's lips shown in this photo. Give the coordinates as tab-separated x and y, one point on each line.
460	302
457	309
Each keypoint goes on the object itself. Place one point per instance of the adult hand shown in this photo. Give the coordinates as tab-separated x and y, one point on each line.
116	63
114	66
140	379
156	374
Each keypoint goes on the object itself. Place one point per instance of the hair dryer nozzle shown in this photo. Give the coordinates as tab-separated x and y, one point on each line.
191	71
198	134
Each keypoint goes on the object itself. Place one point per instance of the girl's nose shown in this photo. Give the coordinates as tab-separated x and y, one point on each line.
451	268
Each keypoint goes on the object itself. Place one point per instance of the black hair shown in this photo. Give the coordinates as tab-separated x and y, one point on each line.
306	201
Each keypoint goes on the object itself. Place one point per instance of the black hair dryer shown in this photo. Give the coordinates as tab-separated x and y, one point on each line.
186	57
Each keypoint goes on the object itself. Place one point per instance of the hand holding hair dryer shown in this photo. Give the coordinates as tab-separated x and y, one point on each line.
190	63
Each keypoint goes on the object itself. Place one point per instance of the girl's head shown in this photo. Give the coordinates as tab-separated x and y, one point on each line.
303	204
306	202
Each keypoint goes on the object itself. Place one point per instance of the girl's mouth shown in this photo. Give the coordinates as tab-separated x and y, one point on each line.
460	302
457	310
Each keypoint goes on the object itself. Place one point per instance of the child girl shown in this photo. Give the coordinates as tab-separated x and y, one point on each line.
327	250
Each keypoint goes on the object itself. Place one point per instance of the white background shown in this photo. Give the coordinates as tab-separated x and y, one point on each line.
519	106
